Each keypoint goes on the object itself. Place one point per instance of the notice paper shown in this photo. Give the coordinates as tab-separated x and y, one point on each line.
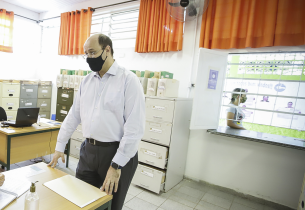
75	190
213	77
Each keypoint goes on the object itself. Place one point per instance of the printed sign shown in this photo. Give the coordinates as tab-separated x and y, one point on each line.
147	174
43	105
28	104
29	90
63	112
155	130
150	153
10	104
11	91
213	77
9	117
65	95
44	91
160	108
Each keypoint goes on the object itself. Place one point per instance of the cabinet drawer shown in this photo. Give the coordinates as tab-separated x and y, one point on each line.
152	154
44	91
44	115
75	148
11	90
159	110
149	178
10	104
28	103
158	132
65	96
11	115
78	135
44	104
28	91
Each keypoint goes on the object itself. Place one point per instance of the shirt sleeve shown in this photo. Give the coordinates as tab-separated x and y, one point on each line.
134	115
232	110
70	123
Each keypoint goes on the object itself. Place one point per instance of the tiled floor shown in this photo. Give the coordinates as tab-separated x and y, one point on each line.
187	195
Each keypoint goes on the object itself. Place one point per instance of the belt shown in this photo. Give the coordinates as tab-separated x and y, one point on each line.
103	144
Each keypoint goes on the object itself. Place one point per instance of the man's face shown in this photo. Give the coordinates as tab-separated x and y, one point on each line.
92	47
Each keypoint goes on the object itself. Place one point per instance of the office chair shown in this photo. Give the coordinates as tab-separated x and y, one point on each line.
3	116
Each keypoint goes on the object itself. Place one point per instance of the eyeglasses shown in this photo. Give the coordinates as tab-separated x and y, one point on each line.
91	54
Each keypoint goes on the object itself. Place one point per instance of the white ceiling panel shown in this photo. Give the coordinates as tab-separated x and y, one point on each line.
40	6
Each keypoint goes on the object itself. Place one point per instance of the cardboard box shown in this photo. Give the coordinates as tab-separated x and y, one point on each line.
166	75
143	82
66	80
59	80
168	88
152	85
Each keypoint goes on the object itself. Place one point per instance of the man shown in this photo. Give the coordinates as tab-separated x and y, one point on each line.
2	179
110	104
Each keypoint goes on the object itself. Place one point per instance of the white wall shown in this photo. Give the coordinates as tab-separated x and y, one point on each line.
266	171
22	63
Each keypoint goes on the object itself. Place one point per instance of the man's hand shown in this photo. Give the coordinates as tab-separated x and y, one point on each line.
56	156
111	180
2	179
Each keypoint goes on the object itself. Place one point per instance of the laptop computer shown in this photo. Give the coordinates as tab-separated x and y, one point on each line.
25	117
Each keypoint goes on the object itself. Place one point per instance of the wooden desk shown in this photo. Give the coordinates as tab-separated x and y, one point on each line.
51	200
26	143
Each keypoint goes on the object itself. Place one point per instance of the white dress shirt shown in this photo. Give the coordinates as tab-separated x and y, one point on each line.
111	108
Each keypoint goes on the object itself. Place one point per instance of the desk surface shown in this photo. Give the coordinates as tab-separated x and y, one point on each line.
48	198
267	138
34	128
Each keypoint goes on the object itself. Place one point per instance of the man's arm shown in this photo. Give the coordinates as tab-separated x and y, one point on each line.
67	128
134	115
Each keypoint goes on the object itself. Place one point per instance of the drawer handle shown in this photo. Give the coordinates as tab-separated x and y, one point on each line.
150	161
157	117
154	139
10	107
144	185
10	94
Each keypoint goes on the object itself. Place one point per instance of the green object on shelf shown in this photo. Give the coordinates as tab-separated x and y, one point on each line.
85	73
134	71
166	75
269	129
142	73
61	70
151	74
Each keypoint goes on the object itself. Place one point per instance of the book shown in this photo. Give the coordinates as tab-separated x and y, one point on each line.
75	190
12	188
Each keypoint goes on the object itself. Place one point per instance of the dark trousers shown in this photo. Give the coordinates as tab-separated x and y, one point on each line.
94	163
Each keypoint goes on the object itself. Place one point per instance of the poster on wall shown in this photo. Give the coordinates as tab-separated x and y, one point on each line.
213	76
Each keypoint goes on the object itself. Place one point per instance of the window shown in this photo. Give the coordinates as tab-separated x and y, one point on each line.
120	26
6	30
274	85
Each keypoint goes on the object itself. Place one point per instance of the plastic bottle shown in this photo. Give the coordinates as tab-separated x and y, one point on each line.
31	199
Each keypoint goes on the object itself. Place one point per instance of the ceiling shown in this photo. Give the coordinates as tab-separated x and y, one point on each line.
40	6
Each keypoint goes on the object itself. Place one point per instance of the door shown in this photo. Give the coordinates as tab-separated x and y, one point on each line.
208	89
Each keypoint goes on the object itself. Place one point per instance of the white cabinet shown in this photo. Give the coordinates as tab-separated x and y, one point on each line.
76	141
163	149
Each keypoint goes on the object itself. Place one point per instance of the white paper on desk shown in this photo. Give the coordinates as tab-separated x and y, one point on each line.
7	130
5	199
16	185
29	171
75	190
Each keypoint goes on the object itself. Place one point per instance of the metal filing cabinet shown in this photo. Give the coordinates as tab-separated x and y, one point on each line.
61	112
44	104
28	102
11	115
163	149
28	89
76	141
9	97
44	92
65	96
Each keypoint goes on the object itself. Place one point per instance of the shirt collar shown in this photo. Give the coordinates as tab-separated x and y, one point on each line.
112	70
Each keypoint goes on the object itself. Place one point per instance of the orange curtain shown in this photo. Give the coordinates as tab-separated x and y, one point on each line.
253	23
157	30
74	30
6	30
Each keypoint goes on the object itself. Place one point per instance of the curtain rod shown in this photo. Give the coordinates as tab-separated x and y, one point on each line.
37	21
93	9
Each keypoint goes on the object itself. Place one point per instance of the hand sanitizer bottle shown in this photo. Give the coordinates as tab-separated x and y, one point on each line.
31	199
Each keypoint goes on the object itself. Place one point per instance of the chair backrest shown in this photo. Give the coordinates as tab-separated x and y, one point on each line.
3	116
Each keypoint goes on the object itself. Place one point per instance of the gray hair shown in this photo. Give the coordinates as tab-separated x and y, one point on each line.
104	41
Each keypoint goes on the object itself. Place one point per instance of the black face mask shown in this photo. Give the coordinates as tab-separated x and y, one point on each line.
96	64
